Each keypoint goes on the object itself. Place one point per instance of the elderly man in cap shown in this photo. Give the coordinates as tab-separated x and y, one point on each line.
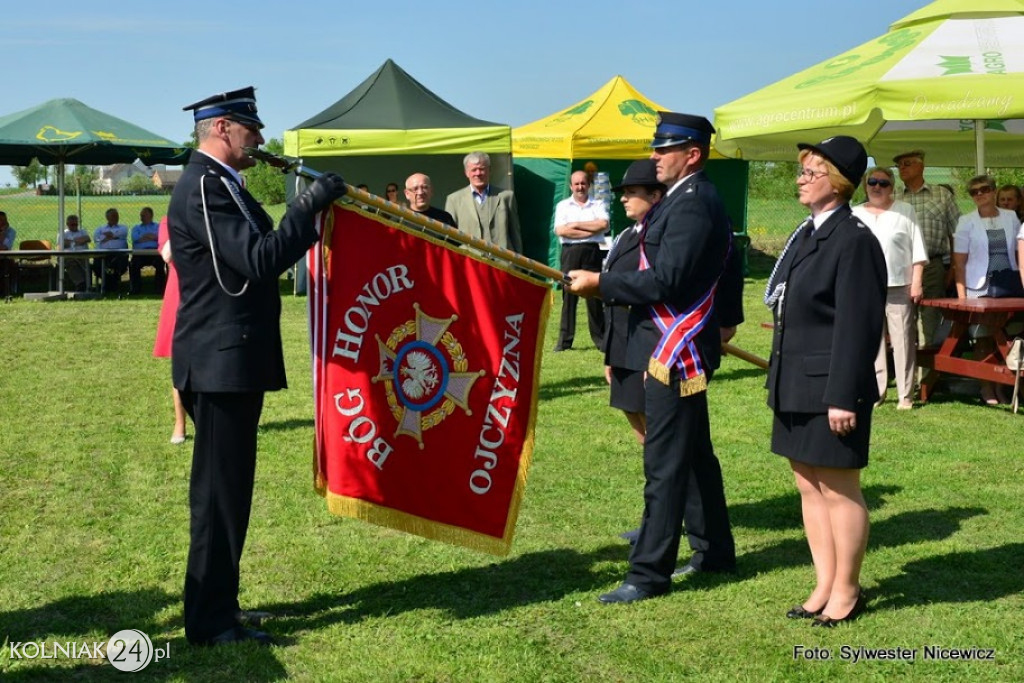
937	214
674	336
226	350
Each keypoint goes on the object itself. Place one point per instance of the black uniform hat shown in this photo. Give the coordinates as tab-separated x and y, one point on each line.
845	153
643	173
239	105
677	129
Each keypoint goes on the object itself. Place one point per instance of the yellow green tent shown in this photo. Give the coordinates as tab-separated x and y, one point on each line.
616	122
611	128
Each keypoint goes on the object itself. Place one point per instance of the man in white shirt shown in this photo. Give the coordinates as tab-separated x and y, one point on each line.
75	239
580	224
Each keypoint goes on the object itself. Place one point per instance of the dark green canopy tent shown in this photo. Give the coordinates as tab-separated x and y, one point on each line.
391	126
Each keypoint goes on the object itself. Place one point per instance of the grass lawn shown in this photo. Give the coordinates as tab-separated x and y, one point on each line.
36	218
93	500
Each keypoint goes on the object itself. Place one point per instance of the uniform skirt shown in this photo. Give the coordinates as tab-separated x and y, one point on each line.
627	390
806	438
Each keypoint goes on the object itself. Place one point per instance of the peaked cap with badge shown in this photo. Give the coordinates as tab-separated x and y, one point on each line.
678	129
237	105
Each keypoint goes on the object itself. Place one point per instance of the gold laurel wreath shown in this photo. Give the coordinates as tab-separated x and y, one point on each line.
459	364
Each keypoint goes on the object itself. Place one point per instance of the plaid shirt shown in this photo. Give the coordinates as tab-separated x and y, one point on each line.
937	215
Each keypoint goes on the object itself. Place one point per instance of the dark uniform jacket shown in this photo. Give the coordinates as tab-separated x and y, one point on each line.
686	242
225	343
827	335
623	257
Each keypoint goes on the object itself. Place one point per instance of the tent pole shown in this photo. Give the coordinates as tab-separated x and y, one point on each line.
59	244
979	145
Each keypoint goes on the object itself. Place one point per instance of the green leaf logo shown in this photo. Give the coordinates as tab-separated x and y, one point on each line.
956	65
996	124
569	113
638	111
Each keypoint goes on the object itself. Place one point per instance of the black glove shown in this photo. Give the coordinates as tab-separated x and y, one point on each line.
321	193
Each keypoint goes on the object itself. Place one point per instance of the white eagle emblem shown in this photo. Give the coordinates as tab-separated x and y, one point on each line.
420	375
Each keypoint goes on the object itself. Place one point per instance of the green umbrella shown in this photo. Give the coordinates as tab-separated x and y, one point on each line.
943	79
65	131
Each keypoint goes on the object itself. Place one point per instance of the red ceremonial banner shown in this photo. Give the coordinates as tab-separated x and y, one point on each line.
426	360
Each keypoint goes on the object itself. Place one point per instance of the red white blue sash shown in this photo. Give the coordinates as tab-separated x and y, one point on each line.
678	345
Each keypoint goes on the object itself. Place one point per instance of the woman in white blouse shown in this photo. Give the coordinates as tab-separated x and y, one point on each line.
894	224
985	242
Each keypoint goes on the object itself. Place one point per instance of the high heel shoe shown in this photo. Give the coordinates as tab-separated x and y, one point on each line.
858	607
798	612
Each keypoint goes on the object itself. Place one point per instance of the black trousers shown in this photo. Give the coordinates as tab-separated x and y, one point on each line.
678	442
109	269
584	256
220	499
135	272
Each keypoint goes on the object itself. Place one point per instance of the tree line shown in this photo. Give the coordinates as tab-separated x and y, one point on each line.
265	183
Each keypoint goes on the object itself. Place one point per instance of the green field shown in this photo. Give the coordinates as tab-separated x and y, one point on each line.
37	217
769	221
93	500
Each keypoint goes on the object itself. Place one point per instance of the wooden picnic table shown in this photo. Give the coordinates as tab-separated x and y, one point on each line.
994	314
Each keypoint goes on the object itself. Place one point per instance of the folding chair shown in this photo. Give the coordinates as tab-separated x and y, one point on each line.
32	267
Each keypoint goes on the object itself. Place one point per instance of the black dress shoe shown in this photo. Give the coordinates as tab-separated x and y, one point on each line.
627	593
799	612
241	634
828	622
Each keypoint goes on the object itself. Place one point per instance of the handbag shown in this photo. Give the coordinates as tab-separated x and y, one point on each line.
1015	363
1004	283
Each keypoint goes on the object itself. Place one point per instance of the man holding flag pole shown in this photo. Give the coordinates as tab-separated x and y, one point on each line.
674	337
227	343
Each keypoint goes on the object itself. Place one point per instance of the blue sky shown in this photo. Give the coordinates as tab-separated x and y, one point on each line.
509	62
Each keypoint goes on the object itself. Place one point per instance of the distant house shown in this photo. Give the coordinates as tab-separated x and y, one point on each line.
110	177
165	178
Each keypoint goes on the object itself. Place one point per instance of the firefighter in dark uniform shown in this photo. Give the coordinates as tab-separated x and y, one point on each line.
674	336
227	343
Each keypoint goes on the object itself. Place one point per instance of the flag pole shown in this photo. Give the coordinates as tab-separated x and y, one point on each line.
744	355
419	222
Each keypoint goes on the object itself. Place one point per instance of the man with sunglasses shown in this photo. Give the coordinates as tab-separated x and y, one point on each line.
227	350
937	215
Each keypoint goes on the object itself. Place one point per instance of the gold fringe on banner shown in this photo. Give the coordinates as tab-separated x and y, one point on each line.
345	506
